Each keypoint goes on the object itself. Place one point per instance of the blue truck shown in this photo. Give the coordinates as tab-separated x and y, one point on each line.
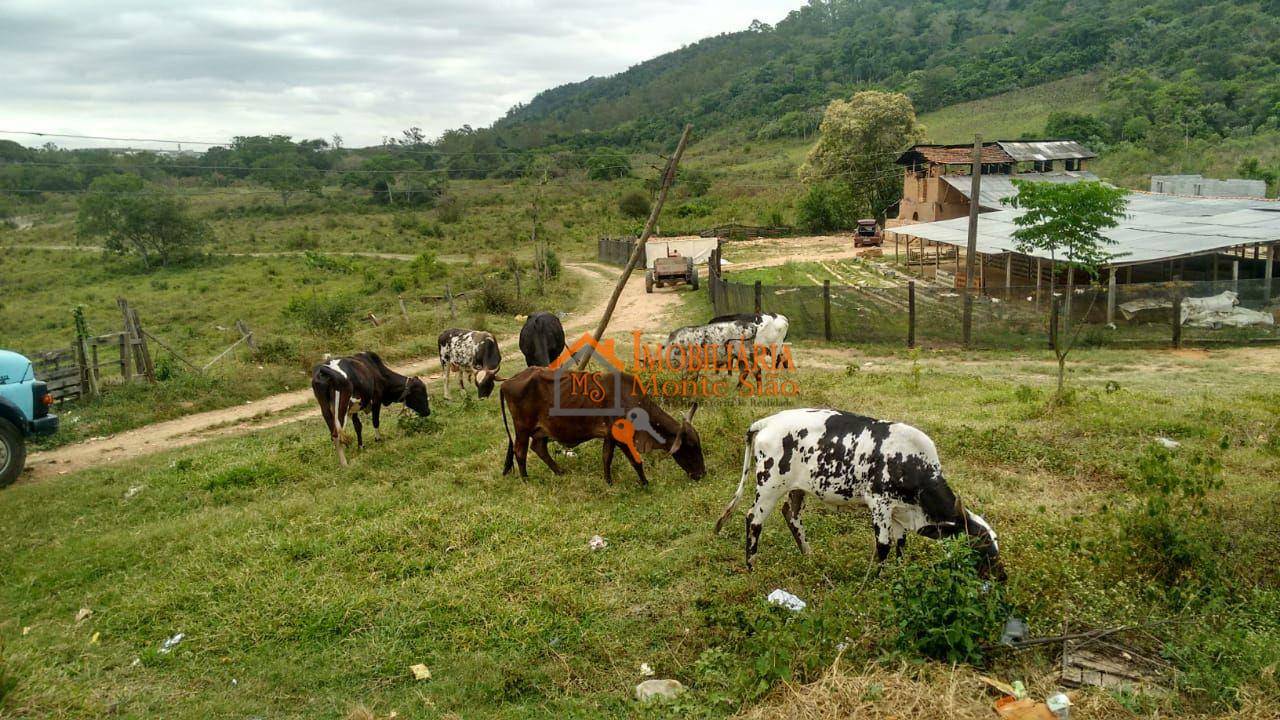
24	413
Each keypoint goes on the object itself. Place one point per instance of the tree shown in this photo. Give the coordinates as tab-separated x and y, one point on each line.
859	141
1067	219
132	217
287	173
1080	127
608	164
394	180
634	205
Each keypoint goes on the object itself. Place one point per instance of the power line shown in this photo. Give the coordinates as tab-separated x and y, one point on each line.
114	139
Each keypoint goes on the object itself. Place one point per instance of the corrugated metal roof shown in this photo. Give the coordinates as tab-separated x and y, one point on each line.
1157	227
997	187
1026	151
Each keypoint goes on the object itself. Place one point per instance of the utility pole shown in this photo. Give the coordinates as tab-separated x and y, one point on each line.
668	177
971	251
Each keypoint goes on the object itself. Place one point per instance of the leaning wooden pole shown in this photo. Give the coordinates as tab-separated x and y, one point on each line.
668	177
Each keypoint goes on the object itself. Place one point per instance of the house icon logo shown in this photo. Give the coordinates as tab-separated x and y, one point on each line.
582	382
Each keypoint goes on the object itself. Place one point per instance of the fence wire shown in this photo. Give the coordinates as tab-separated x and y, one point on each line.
1018	317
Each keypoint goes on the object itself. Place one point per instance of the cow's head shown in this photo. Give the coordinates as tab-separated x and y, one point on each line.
981	537
415	396
686	448
490	358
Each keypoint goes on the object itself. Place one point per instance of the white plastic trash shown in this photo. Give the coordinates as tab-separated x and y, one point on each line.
1059	705
171	643
785	599
1169	443
597	543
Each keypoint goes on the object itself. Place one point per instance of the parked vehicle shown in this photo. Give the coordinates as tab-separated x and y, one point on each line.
671	270
24	412
868	234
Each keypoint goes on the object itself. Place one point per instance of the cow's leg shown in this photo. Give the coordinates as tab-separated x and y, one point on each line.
445	366
767	497
374	414
522	451
462	376
342	404
791	511
606	456
540	447
355	423
638	466
328	405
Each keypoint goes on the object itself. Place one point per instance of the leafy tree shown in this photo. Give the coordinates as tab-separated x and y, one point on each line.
856	151
634	205
396	180
1067	220
825	207
133	217
287	173
1080	127
608	164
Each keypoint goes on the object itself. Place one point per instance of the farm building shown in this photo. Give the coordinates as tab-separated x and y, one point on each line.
1201	186
1163	237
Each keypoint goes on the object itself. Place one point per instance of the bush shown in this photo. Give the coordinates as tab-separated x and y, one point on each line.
943	610
634	205
694	182
330	315
826	207
299	239
694	208
449	209
428	266
499	298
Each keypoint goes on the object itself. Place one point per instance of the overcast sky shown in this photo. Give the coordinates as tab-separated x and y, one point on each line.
212	69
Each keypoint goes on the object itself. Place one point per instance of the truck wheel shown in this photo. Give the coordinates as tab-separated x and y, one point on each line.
648	281
693	280
13	453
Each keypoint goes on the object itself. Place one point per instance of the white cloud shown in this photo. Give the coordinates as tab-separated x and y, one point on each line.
154	69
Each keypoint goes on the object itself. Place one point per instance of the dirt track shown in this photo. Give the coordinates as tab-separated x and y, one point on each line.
635	310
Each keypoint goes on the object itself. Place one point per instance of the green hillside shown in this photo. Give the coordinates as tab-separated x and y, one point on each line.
1013	114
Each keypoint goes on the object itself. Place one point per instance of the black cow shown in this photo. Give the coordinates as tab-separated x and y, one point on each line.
365	377
470	350
541	339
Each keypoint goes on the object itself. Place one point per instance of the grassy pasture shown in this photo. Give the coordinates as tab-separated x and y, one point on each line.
303	591
193	309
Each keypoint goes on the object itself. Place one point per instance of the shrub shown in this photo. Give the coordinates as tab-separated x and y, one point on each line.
299	239
449	209
694	182
943	610
634	205
825	207
275	350
322	314
328	263
694	208
499	298
552	261
428	266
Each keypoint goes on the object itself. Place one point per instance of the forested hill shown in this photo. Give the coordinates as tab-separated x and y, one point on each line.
1202	67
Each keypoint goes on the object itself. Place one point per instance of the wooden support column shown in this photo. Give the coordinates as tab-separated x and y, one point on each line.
1008	276
911	314
1111	296
1235	276
759	293
1038	281
826	309
1267	273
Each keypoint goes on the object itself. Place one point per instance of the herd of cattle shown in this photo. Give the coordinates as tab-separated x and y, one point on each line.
838	457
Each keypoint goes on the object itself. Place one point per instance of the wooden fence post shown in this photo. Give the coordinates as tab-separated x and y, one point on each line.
403	311
1177	321
448	294
911	313
1111	296
759	297
247	334
1268	271
826	309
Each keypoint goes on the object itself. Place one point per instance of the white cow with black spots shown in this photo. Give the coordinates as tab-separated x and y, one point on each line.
736	336
470	352
842	458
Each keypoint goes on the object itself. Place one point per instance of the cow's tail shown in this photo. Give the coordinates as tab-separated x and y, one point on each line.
511	444
742	483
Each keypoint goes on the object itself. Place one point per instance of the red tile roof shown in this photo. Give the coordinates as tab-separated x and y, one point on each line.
955	154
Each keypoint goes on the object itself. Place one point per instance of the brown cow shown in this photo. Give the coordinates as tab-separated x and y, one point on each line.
366	379
530	395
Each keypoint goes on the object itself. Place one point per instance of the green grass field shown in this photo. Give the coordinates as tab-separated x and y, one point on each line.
305	591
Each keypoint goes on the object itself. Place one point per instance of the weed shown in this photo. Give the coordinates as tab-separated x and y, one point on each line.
943	610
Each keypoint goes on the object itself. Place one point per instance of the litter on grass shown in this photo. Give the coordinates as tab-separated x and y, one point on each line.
83	614
650	690
420	672
782	598
171	643
645	670
597	543
1169	443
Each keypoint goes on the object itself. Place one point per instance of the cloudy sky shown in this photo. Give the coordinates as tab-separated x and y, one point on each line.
213	69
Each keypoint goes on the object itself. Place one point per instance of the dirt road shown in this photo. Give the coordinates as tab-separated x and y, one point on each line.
635	310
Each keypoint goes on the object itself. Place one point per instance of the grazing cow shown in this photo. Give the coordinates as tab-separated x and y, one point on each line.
739	335
842	458
531	394
541	339
366	378
473	351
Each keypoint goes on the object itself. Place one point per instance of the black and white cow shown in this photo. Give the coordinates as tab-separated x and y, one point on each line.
472	352
541	339
738	335
367	379
842	458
